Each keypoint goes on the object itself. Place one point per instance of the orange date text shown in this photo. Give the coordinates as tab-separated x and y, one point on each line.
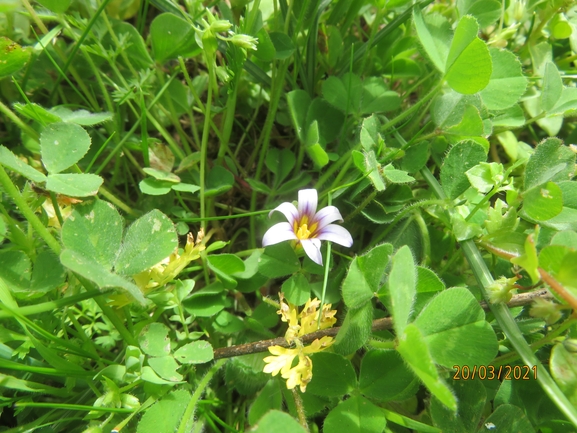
490	372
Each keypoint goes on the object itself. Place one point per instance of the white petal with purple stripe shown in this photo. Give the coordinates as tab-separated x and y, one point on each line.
337	234
278	233
313	249
308	200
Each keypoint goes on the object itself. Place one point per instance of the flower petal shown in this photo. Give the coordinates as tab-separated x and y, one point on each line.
336	234
313	249
308	201
278	233
327	215
318	345
281	363
288	210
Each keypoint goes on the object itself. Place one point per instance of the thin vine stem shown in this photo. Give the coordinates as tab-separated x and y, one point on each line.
204	143
198	392
268	125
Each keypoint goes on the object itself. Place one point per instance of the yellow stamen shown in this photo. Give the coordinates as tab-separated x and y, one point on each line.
303	232
302	229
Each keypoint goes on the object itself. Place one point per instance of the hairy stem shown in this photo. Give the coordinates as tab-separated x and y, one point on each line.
199	391
300	409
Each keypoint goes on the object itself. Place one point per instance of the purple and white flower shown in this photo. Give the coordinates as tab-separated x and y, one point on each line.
307	226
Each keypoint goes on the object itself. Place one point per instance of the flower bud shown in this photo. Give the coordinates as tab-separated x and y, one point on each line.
244	41
220	26
545	310
129	401
519	8
500	290
223	74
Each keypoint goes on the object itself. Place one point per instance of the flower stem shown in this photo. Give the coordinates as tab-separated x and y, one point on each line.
300	409
112	316
363	205
403	213
268	124
559	289
327	268
325	281
227	124
204	143
341	166
191	407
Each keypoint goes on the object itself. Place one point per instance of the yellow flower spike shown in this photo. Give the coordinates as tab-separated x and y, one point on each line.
165	271
310	317
288	314
168	269
319	345
283	359
300	375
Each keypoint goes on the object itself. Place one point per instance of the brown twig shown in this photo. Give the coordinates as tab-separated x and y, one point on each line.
524	298
378	325
545	276
558	287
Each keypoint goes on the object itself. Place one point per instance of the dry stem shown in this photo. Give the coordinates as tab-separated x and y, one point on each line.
378	325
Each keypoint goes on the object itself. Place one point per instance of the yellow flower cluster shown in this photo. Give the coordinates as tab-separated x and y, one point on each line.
298	326
167	270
